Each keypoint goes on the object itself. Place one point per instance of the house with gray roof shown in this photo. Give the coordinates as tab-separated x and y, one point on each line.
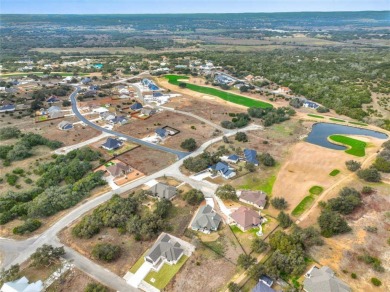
206	220
167	249
257	199
163	191
55	112
323	279
112	144
65	126
22	285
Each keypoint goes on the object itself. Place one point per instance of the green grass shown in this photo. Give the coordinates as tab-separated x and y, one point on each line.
359	124
316	190
356	147
138	264
259	185
337	120
303	205
315	116
334	172
231	97
237	230
166	273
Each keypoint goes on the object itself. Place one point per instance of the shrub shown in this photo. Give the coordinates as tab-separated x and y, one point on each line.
95	287
284	220
194	197
189	144
353	165
279	203
18	170
258	245
376	282
369	174
322	109
9	133
226	192
11	179
241	136
267	159
353	276
233	287
66	103
29	225
367	190
106	252
250	167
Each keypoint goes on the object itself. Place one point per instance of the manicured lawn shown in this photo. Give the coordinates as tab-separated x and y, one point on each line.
356	147
166	273
359	124
303	205
337	120
259	185
316	190
334	172
315	116
231	97
138	264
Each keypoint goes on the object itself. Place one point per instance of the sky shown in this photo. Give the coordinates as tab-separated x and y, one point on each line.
184	6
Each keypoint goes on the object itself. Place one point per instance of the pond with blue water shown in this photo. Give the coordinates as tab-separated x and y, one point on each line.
321	131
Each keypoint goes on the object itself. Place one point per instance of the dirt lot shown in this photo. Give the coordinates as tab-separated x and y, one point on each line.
147	160
74	280
341	252
189	128
204	263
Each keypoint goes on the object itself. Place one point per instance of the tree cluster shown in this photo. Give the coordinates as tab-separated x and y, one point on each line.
382	162
201	162
189	144
46	255
238	121
271	116
353	165
9	133
369	175
226	192
193	197
106	252
279	203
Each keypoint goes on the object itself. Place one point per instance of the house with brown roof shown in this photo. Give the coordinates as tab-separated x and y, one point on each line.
257	199
119	169
246	218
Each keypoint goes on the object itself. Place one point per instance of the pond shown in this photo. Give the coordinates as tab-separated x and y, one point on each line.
321	131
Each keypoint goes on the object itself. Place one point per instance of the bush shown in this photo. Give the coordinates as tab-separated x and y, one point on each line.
353	276
376	282
250	167
267	159
322	109
241	136
29	225
369	175
284	220
194	197
95	287
18	170
66	103
226	192
106	252
9	133
279	203
11	179
189	144
258	245
296	102
352	165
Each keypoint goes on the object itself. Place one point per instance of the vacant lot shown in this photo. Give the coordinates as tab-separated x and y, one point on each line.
147	160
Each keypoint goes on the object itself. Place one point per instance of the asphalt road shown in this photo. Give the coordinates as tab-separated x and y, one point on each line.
179	154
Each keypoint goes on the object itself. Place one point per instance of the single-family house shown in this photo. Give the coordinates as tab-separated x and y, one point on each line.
246	218
166	250
112	144
163	191
119	169
52	99
118	120
86	80
266	280
68	79
254	198
233	158
65	126
94	87
7	108
136	106
150	84
157	94
100	110
107	116
223	169
323	279
251	156
310	104
22	285
206	220
162	133
261	287
148	111
55	112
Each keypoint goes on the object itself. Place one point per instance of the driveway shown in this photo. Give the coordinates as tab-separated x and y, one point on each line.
141	273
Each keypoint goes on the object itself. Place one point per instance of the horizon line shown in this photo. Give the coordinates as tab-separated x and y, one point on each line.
178	13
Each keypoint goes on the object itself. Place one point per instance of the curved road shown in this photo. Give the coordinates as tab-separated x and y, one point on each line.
180	154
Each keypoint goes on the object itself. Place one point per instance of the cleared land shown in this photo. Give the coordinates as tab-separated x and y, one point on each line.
357	147
238	99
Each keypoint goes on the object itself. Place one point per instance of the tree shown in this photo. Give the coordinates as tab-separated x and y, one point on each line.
307	236
376	282
256	271
369	174
245	261
322	109
267	159
332	223
46	255
194	197
95	287
66	103
226	192
9	275
9	133
228	125
189	144
284	220
106	252
346	202
279	203
250	167
258	245
241	136
296	102
233	287
163	207
244	88
353	165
